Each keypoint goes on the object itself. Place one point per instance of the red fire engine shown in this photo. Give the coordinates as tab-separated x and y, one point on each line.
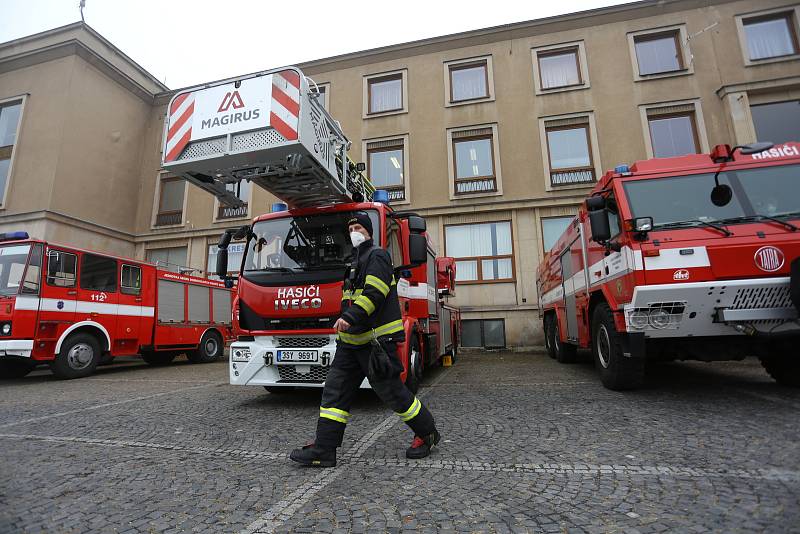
74	308
280	137
694	257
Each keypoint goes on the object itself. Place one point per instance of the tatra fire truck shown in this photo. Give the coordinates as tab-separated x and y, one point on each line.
74	309
693	257
271	129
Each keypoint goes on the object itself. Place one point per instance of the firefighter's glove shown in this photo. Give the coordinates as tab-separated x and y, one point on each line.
380	365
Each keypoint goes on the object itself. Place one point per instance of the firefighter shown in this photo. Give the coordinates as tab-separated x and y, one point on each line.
370	310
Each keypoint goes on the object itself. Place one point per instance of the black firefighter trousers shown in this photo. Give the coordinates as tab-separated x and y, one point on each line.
349	367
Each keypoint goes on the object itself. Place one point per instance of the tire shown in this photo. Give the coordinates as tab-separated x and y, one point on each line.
617	372
79	356
209	350
549	335
280	390
414	376
159	359
564	352
14	368
782	367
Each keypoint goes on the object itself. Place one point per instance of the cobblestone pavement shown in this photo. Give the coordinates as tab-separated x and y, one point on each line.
528	446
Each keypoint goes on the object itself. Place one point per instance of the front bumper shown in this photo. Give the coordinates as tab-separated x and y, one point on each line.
262	369
16	347
720	308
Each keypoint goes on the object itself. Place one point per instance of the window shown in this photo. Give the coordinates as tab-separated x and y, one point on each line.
673	129
171	259
657	53
552	228
131	280
170	204
9	121
324	95
387	166
483	251
385	93
777	122
469	81
569	150
487	333
33	274
61	268
559	68
242	191
235	255
473	161
98	273
770	36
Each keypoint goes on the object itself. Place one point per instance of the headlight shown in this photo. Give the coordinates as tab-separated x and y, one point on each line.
240	354
638	319
7	329
659	318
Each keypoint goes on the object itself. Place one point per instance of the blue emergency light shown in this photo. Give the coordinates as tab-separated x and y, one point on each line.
622	169
381	195
14	236
279	206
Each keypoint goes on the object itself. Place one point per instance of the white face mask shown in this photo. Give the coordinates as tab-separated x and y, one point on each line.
357	238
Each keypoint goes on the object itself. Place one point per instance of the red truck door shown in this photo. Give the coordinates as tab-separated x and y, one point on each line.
98	297
60	293
129	320
568	282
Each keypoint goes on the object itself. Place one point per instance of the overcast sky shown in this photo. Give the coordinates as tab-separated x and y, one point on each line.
184	42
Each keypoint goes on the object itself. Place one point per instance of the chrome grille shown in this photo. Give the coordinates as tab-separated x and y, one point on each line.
762	297
317	375
301	342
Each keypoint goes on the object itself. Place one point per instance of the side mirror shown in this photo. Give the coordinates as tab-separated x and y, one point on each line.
601	227
417	249
222	263
595	203
721	195
241	233
755	148
416	224
225	240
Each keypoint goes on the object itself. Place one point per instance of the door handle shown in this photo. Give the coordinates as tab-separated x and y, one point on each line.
138	299
72	292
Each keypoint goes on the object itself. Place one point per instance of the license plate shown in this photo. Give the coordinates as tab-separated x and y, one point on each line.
298	355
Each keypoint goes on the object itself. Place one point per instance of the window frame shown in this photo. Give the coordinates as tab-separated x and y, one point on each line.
465	66
557	49
166	267
218	208
482	321
479	259
692	120
403	145
325	88
465	63
791	13
160	178
701	135
116	272
22	99
47	270
367	113
543	218
756	102
451	160
129	290
681	45
594	149
493	176
212	274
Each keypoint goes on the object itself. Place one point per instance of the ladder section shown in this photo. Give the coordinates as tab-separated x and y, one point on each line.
268	128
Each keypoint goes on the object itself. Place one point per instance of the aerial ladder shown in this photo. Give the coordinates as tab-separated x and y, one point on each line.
269	128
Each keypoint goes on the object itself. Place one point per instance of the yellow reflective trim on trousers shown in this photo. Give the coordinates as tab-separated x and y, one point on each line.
365	303
340	416
376	282
389	328
412	412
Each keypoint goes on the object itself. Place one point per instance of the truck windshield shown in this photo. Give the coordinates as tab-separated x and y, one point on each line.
686	200
13	259
296	244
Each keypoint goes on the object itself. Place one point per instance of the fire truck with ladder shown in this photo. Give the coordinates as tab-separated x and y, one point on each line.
689	258
270	128
74	309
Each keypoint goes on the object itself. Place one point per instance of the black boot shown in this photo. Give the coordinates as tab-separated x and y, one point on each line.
421	447
314	456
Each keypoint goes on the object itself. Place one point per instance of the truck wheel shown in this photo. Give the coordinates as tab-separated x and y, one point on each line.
158	359
15	368
209	350
783	368
617	372
414	376
564	352
549	335
79	357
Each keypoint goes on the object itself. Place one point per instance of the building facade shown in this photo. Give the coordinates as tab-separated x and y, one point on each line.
494	135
